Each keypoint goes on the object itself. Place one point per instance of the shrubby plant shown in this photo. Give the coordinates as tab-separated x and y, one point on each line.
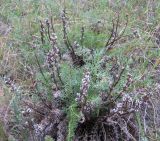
77	93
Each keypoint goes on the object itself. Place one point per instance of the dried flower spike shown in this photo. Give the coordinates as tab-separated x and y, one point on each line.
81	97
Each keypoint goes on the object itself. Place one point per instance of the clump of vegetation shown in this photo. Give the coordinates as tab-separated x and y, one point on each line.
71	90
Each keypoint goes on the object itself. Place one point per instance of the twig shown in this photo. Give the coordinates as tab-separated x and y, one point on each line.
65	35
113	85
114	33
41	71
58	72
42	32
48	29
82	36
30	105
52	27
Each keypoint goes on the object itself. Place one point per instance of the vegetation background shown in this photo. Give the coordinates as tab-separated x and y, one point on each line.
89	26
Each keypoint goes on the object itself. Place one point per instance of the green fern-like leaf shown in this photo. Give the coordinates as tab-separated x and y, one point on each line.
73	116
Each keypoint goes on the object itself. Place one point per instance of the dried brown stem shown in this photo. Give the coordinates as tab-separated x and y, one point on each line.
115	36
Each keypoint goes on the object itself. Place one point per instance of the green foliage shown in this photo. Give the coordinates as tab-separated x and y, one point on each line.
72	80
73	116
48	138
